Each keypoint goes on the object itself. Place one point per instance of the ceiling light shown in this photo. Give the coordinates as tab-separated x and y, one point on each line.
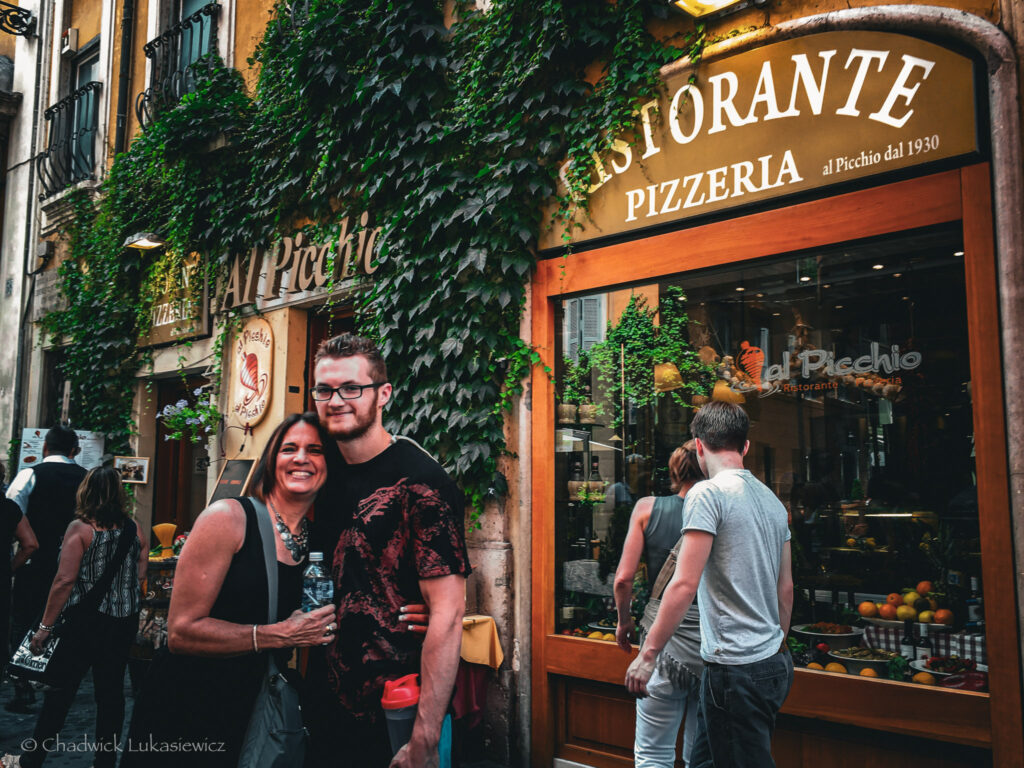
839	306
897	274
776	314
805	279
144	241
906	298
878	266
827	285
760	295
958	253
701	8
740	288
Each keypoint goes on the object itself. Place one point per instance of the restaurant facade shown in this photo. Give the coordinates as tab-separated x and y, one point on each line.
820	222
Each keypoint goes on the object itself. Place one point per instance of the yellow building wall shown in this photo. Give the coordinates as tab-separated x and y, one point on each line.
251	19
85	16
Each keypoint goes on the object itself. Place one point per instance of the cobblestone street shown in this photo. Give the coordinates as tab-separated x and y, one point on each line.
78	731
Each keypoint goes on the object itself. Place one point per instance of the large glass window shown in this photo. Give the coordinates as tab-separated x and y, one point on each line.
852	363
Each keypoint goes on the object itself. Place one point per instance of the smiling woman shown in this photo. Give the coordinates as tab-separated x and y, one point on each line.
217	620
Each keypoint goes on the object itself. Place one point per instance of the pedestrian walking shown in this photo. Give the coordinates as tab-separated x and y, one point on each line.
14	526
102	546
46	495
735	557
672	691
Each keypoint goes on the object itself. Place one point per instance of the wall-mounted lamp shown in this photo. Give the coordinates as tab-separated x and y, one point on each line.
144	241
700	9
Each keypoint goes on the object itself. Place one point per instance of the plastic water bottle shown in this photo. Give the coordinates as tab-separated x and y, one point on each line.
400	702
317	587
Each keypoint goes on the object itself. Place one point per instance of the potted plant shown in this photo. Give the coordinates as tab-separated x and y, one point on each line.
639	361
575	387
587	411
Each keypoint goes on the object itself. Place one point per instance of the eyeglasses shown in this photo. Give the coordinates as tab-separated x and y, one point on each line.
322	392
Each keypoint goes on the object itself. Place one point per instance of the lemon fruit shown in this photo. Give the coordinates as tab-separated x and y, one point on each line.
924	678
835	666
926	617
905	612
595	635
868	672
910	598
608	636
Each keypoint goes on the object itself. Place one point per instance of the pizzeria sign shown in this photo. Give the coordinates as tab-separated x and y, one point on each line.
784	118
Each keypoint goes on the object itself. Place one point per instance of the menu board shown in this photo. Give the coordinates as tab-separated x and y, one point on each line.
31	453
234	478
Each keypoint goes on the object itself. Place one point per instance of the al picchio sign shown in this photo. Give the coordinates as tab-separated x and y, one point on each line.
253	353
784	118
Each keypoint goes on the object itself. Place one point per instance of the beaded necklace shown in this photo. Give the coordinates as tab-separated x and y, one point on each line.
297	543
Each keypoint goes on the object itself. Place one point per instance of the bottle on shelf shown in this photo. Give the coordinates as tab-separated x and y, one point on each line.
317	587
907	641
576	480
923	648
975	608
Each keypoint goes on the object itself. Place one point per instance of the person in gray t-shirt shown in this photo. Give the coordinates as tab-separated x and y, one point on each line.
736	556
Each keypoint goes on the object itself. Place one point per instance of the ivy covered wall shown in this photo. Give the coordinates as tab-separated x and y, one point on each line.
451	136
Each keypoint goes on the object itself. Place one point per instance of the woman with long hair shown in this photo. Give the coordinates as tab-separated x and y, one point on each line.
654	528
200	695
91	544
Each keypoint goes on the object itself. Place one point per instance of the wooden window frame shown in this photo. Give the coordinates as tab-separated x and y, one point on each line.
960	195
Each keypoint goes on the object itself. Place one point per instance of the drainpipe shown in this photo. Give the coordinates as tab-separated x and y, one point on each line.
30	205
124	74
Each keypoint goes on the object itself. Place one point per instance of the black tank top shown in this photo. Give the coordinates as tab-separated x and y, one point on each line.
243	595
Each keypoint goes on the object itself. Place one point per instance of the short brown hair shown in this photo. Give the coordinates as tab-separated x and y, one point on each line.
721	426
683	466
264	478
350	345
101	498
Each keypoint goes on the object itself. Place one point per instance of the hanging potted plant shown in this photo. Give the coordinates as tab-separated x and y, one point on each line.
639	361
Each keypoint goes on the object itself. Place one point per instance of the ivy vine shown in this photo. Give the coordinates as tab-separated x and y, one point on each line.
451	137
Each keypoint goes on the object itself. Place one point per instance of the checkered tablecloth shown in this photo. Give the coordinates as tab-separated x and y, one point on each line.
962	644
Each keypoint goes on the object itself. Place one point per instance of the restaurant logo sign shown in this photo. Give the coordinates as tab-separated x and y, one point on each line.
877	371
298	267
182	309
253	354
784	118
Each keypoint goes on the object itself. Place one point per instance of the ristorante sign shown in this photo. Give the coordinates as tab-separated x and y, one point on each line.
784	118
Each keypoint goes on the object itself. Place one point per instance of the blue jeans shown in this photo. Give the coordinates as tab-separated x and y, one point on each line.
736	717
658	717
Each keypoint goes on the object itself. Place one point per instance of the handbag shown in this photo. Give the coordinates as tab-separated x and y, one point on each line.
55	666
275	736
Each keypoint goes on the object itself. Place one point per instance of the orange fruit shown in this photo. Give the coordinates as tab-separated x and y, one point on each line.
910	598
867	609
924	678
924	587
888	611
815	665
868	672
943	616
905	612
835	666
894	598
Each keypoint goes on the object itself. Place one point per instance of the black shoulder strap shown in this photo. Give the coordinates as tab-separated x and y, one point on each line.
266	534
92	599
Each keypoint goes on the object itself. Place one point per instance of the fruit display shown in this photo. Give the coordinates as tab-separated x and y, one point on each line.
833	635
920	604
858	659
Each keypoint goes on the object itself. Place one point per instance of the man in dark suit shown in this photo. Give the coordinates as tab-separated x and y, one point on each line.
46	495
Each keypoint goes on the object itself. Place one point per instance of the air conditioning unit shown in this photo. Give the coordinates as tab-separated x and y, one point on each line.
69	42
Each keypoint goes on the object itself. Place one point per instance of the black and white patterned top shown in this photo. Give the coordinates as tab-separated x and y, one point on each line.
124	596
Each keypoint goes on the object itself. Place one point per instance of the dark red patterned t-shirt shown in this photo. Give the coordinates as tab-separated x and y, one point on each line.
383	525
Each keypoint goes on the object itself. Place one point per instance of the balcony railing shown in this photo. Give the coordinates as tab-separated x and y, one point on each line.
70	155
174	55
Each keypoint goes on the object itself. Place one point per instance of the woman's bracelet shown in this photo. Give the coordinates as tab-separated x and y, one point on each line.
44	628
255	645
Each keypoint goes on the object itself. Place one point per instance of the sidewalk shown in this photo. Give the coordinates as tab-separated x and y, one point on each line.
79	729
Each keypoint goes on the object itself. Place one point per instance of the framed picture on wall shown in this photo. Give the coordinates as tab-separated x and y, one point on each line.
133	469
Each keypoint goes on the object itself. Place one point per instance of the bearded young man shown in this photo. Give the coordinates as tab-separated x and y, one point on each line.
390	523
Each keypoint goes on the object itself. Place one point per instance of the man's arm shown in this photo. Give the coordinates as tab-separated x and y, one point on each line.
785	588
679	594
445	597
27	543
21	488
